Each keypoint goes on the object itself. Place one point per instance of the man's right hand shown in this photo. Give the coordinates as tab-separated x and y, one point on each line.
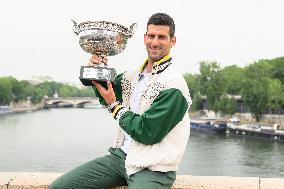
96	60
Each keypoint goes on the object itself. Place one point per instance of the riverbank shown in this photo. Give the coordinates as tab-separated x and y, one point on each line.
40	180
267	120
26	106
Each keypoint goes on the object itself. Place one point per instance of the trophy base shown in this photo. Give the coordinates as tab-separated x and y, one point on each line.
87	82
99	74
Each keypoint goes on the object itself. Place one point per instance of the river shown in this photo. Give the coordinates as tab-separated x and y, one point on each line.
57	140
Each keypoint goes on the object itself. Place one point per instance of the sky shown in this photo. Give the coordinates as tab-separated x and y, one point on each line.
37	39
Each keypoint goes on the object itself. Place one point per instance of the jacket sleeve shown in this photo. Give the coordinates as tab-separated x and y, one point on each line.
167	110
116	85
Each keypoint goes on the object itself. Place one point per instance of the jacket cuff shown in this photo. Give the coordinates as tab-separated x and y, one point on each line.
118	111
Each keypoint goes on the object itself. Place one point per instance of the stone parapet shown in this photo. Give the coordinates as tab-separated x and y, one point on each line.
35	180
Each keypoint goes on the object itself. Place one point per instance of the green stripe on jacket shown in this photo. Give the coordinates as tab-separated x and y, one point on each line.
167	110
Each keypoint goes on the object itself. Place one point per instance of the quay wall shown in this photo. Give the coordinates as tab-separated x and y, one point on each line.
26	106
40	180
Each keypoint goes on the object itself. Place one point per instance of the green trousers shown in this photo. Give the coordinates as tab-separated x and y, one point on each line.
109	171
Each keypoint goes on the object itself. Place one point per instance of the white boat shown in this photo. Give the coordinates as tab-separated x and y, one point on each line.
256	130
5	109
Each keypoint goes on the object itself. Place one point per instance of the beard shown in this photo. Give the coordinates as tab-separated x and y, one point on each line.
155	56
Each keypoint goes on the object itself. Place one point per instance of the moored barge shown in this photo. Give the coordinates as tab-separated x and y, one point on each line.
208	126
254	130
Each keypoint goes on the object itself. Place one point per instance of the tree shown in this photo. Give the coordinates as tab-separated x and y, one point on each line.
13	90
255	87
277	70
5	91
227	105
49	87
86	92
211	83
275	95
254	94
258	70
33	92
66	91
16	89
192	83
197	103
233	76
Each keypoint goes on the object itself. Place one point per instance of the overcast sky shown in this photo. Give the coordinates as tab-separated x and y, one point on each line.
37	37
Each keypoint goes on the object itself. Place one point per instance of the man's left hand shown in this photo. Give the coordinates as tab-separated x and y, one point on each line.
107	94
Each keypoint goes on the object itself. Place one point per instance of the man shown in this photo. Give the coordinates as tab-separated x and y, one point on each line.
151	106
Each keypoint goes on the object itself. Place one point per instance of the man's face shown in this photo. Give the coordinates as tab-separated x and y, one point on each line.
158	42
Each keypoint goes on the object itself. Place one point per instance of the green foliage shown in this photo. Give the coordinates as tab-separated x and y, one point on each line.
256	86
192	83
260	84
233	76
49	87
275	94
5	91
86	91
255	95
17	90
227	105
197	103
13	90
277	68
211	83
258	70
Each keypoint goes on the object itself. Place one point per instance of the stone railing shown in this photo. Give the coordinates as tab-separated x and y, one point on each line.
25	180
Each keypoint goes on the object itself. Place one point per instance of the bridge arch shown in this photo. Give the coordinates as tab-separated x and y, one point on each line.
71	102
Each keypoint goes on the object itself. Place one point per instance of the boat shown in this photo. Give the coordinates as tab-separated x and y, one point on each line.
256	130
5	109
208	126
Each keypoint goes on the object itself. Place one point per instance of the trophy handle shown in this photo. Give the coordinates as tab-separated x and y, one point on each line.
75	27
130	31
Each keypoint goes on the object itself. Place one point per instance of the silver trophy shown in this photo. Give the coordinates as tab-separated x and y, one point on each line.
103	39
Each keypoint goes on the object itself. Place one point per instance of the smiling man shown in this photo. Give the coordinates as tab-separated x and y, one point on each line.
151	105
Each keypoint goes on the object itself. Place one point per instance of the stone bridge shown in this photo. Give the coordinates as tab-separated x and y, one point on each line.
77	102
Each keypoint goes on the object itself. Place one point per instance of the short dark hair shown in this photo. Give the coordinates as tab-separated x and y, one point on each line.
164	20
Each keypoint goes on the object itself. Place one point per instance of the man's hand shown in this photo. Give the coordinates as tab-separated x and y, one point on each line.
108	94
96	60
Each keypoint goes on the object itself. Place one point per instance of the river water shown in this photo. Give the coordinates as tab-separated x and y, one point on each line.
57	140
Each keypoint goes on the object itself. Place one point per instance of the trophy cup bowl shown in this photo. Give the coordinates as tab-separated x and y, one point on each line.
103	39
